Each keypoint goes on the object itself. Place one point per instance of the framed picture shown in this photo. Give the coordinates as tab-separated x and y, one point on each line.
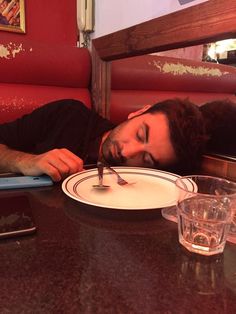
12	15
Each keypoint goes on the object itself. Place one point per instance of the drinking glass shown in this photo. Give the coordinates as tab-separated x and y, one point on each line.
232	231
205	214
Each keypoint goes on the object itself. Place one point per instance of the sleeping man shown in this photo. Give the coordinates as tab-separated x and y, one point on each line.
59	138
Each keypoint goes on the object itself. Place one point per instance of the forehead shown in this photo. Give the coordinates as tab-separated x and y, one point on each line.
155	121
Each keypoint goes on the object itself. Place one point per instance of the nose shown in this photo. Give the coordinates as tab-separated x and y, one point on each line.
131	150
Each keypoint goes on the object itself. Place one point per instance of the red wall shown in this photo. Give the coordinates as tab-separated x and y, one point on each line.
47	21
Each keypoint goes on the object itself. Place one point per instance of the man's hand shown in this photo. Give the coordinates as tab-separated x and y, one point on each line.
57	163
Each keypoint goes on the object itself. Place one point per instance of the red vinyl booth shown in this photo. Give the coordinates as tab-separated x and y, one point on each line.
150	78
33	74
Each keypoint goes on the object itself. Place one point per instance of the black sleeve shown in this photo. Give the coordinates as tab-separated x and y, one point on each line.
23	133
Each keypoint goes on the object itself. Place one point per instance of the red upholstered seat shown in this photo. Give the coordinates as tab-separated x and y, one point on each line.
33	74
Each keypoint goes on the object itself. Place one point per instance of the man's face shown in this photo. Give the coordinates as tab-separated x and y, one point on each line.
142	141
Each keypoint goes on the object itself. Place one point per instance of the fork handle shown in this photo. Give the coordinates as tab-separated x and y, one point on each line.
100	172
112	170
116	173
100	164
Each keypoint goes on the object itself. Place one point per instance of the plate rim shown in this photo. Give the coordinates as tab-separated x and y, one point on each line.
172	178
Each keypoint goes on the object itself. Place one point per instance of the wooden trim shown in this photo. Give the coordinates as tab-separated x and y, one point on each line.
206	22
219	167
101	84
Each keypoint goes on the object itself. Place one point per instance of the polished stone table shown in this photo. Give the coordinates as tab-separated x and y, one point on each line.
91	260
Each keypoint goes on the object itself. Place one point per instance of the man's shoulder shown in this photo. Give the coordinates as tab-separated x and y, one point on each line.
61	107
65	104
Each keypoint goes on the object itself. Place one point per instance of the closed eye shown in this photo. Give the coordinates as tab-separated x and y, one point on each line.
142	136
143	133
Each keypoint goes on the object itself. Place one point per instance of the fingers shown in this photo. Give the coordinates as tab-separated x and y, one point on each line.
52	171
57	163
61	163
74	163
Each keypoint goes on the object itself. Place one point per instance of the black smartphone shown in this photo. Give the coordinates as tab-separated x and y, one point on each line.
16	216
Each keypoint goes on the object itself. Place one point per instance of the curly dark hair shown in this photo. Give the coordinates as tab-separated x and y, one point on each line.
220	122
187	132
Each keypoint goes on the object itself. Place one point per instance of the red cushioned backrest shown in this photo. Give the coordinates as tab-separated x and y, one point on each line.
19	99
148	79
40	64
33	74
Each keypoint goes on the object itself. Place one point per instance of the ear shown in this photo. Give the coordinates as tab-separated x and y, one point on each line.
138	112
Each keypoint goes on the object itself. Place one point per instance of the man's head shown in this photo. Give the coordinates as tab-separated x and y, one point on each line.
168	135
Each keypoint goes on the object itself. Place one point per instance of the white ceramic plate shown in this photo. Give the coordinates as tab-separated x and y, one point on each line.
150	188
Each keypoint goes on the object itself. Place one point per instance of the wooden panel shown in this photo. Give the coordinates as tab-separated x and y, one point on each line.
219	167
206	22
100	85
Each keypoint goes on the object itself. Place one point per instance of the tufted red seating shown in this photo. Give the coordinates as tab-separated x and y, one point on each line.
148	79
34	74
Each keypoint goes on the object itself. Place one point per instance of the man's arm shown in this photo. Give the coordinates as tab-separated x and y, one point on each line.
57	163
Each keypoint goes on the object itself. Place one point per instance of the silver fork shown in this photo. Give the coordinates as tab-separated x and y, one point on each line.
120	180
100	184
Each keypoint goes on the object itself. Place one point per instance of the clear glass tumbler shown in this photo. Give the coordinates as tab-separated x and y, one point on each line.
232	231
205	214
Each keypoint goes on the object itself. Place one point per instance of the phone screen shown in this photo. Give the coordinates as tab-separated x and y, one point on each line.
16	216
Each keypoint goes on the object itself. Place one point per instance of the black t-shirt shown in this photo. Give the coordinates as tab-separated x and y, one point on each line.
65	123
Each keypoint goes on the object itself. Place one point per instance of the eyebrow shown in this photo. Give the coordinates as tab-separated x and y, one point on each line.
147	131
